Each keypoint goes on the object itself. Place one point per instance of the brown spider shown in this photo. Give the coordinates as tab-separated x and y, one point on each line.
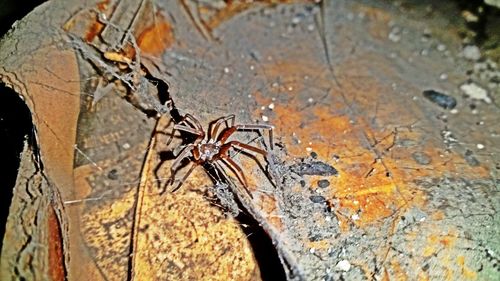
212	147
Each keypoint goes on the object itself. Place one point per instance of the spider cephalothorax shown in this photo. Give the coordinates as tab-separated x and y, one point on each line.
213	146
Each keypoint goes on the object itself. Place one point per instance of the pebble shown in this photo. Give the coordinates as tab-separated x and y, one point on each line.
317	199
343	265
480	146
471	52
323	183
443	100
475	92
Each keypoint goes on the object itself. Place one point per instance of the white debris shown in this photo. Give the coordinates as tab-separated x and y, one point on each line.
309	149
475	92
355	217
454	111
480	146
310	100
441	47
395	34
271	106
471	52
343	265
265	118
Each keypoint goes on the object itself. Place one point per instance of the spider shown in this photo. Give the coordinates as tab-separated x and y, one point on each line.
212	146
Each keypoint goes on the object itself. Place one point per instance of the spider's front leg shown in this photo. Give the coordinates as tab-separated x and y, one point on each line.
247	127
214	126
184	152
188	124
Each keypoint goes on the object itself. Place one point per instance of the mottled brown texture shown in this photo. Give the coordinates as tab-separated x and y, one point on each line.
413	195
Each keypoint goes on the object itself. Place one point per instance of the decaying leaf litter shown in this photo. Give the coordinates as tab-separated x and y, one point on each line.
393	167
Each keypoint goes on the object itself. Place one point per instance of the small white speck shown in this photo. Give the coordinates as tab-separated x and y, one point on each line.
310	27
310	100
422	219
454	111
441	47
312	250
126	145
480	146
328	218
343	265
271	106
309	149
249	96
355	217
290	88
252	67
226	70
414	98
355	202
265	118
262	108
443	76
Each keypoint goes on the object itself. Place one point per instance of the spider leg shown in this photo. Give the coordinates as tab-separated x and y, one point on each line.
185	152
188	124
236	169
194	121
248	127
193	131
244	146
214	126
193	165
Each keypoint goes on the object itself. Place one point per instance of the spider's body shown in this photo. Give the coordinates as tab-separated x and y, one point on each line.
206	151
212	146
